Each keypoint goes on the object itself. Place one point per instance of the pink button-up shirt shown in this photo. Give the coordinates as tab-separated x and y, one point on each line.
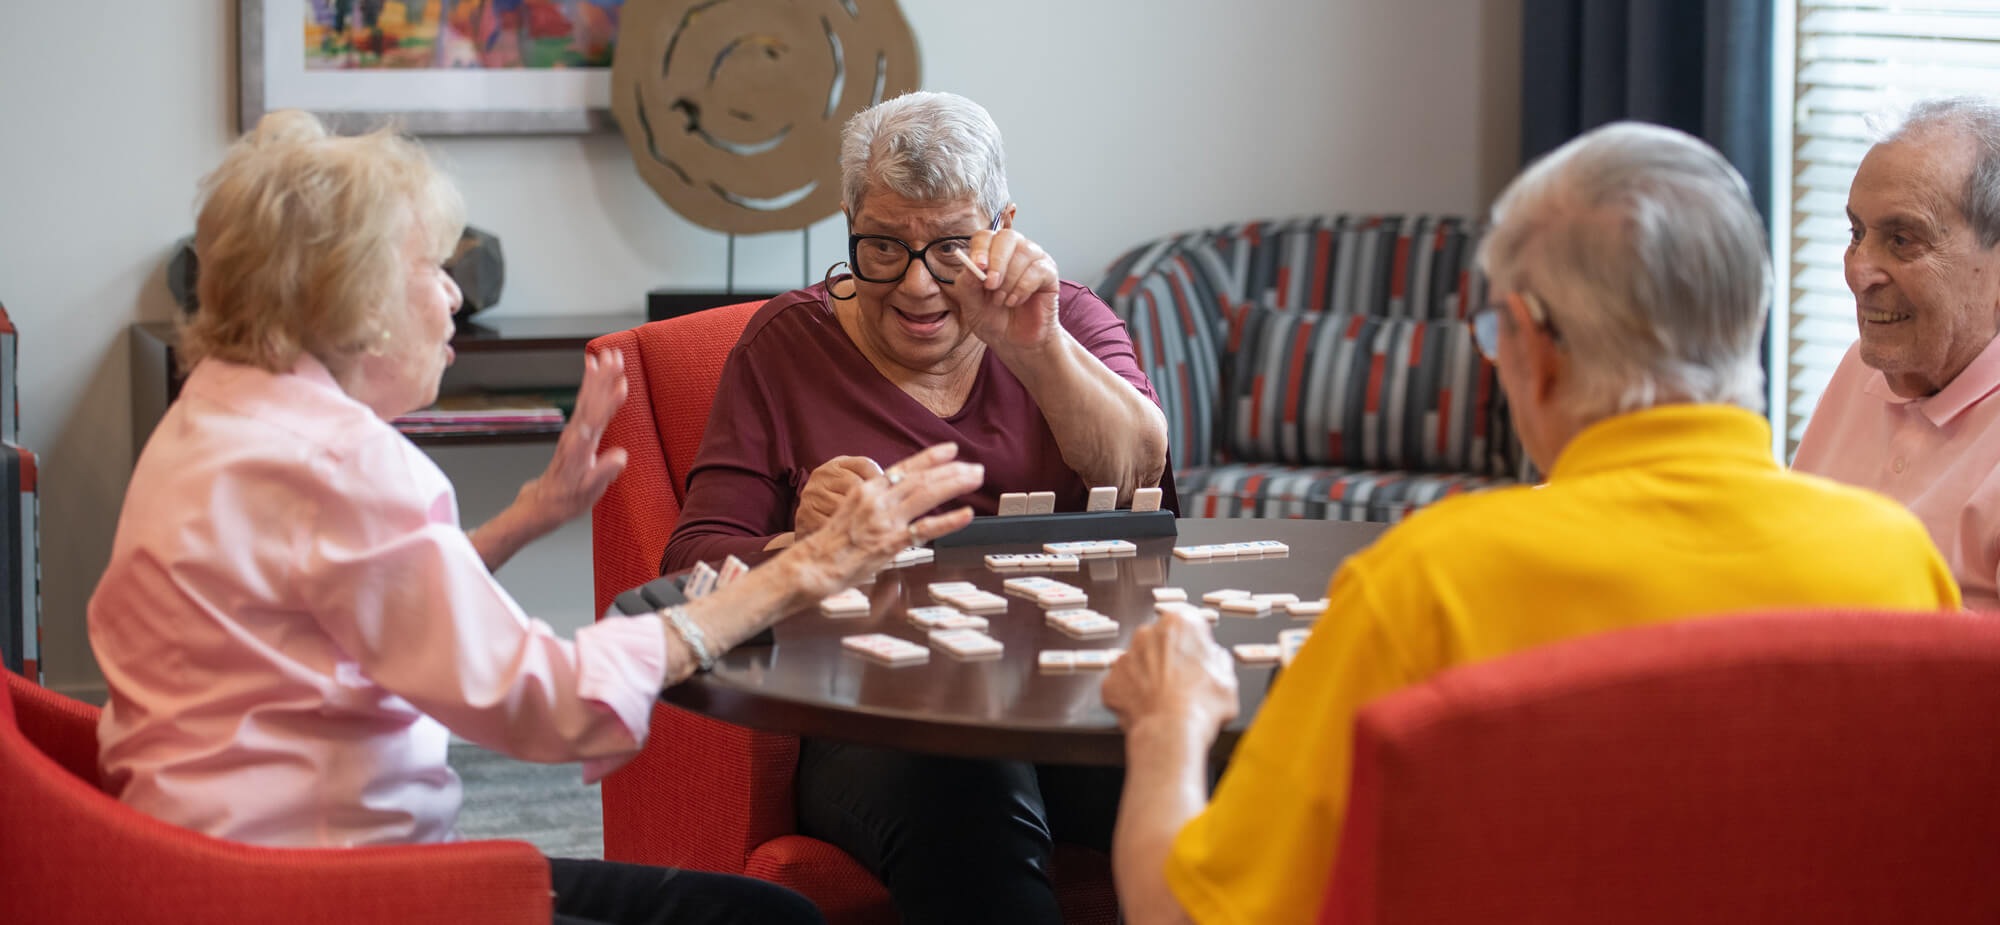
292	619
1938	455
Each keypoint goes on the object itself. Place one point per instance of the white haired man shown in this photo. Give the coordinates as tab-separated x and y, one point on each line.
1910	411
1631	284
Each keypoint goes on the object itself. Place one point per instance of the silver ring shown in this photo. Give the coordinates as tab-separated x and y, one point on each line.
895	477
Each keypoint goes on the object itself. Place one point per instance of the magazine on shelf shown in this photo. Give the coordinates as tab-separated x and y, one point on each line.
486	413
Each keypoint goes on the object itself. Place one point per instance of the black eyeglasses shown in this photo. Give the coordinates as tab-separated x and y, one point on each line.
1486	325
881	258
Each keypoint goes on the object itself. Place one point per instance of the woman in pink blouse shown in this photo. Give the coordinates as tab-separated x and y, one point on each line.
292	619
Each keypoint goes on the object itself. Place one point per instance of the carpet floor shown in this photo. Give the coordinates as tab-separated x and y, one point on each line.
546	805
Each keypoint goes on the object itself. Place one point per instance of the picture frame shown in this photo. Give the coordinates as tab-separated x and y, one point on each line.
273	74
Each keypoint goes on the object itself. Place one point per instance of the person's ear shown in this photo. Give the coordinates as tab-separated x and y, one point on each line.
1546	365
1007	220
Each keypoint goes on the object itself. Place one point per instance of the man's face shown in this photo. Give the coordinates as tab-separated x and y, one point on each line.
1926	292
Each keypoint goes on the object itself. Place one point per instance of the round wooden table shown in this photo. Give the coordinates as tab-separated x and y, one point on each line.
1006	707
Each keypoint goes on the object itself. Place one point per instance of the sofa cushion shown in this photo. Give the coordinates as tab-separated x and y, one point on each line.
1363	392
1319	493
1179	294
1399	266
1179	347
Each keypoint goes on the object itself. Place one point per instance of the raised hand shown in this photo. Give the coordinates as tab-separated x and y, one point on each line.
1014	307
577	475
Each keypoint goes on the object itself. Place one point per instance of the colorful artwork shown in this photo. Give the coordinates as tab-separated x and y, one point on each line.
414	34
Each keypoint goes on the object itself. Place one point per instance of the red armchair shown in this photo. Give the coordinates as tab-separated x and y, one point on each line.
704	794
70	853
1823	768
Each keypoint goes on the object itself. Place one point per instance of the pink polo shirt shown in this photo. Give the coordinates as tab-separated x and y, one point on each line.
1939	456
292	619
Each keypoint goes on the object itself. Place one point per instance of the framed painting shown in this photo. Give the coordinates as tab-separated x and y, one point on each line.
434	67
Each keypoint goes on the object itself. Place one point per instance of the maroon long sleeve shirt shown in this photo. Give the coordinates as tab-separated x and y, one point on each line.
796	392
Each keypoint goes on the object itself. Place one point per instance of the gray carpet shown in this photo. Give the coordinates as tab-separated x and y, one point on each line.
546	805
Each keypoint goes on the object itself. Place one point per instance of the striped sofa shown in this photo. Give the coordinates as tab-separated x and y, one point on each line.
1318	367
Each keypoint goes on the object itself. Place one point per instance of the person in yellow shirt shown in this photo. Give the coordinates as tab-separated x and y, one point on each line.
1629	287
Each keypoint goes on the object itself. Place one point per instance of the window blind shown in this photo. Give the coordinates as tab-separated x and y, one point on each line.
1857	59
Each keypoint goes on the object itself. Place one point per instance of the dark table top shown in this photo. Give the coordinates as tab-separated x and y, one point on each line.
806	684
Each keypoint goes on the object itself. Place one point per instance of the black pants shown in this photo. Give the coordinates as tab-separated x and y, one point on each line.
955	840
609	893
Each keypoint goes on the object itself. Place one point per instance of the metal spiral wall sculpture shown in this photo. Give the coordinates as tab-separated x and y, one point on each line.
733	108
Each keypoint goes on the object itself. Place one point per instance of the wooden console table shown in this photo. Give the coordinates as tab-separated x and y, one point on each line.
497	352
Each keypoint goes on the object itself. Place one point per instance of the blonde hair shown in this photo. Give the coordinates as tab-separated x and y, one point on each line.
300	237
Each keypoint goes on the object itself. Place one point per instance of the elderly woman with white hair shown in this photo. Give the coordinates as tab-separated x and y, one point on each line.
292	618
950	326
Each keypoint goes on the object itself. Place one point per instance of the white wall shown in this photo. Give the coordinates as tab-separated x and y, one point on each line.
1125	119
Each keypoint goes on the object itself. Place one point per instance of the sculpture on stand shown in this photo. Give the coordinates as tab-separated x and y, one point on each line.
732	109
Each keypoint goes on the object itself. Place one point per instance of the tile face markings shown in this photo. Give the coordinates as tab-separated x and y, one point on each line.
1289	643
885	649
913	555
1244	607
700	581
732	569
1097	658
1254	653
848	603
1260	549
1057	661
967	643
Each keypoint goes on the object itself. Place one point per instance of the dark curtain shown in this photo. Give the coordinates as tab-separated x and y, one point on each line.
1701	66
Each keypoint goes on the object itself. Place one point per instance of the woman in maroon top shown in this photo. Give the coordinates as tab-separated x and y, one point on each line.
1028	374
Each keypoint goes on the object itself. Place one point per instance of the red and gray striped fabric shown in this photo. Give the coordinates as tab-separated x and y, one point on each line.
1318	367
1319	492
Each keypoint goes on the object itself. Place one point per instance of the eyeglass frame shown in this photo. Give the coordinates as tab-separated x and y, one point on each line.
1486	334
911	255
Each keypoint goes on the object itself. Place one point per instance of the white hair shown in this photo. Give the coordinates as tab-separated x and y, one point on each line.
927	146
1643	244
1978	119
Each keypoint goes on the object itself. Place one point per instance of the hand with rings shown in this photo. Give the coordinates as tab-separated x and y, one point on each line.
882	515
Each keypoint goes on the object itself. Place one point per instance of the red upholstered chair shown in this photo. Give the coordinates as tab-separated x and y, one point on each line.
70	853
1824	768
704	794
